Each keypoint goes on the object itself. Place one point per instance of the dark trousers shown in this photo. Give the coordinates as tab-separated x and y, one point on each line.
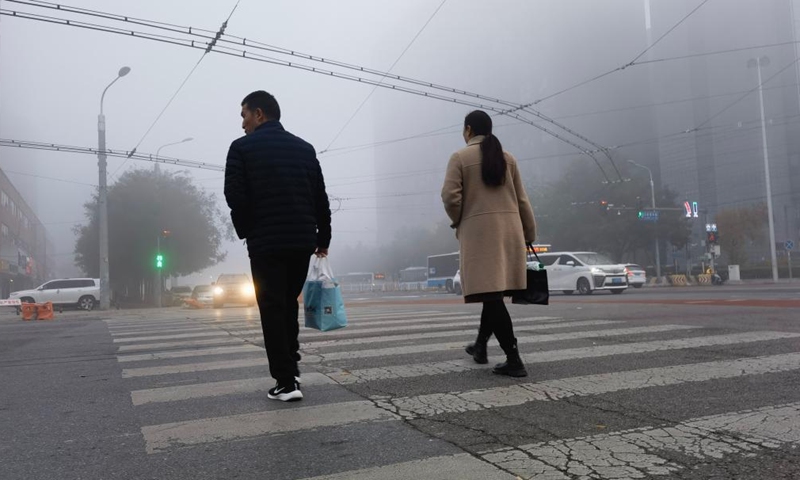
278	280
496	320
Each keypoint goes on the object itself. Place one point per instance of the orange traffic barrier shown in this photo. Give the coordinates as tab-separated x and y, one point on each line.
192	303
28	311
44	311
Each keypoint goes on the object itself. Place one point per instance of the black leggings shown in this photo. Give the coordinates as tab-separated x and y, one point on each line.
496	320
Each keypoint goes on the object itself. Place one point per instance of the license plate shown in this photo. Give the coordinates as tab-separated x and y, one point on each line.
616	280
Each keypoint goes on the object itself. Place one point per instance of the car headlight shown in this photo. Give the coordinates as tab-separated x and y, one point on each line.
248	290
598	271
218	291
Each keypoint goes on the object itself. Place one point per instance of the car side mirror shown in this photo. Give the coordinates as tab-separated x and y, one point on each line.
40	289
571	263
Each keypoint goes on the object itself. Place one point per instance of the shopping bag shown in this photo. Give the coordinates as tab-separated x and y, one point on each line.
322	298
537	291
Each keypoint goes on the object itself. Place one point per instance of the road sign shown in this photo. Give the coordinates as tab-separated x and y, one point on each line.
789	245
648	215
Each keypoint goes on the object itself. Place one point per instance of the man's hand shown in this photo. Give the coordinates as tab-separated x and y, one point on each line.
321	252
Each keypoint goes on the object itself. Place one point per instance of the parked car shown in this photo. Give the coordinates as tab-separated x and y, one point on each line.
179	294
81	292
203	294
583	272
234	288
637	276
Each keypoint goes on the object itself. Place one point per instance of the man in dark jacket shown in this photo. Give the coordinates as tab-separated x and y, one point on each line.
276	192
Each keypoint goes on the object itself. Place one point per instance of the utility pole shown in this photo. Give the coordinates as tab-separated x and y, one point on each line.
653	204
758	63
102	198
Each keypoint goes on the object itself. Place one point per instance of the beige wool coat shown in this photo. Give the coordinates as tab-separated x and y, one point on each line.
492	223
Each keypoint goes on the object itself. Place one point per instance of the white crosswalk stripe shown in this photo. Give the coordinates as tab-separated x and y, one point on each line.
182	365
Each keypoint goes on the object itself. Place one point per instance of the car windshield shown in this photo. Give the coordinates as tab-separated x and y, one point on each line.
182	289
203	288
594	259
635	267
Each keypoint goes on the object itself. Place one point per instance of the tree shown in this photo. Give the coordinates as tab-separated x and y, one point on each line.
143	204
738	225
571	214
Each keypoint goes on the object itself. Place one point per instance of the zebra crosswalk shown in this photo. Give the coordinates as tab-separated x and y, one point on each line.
200	381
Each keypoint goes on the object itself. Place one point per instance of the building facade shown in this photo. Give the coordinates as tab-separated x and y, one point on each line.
24	246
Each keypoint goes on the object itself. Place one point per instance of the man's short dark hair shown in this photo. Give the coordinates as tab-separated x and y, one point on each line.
266	102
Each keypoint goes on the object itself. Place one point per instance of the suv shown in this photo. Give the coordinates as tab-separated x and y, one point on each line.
82	292
234	288
583	272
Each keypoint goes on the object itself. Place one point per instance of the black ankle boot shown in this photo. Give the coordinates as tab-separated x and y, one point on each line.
513	366
478	350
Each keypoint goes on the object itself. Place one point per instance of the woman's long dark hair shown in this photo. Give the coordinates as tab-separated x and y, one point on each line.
493	161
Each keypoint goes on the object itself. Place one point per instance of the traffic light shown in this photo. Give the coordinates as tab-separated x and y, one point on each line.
712	237
159	261
604	207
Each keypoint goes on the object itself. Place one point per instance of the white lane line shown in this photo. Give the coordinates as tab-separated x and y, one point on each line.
165	437
217	389
310	347
454	467
553	337
553	390
462	365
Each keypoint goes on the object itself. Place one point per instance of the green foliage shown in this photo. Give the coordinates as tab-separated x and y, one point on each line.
141	205
570	216
737	226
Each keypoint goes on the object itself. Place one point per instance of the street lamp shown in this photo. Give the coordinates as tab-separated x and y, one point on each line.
757	63
102	195
653	201
158	152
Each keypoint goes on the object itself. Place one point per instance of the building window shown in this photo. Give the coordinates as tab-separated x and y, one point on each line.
4	230
4	199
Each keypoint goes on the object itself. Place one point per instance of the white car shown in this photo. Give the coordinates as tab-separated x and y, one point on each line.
583	272
637	276
82	292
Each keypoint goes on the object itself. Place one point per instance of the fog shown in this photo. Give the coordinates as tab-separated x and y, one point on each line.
690	119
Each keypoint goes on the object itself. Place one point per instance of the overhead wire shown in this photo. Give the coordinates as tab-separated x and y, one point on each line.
53	147
621	67
397	60
211	44
245	54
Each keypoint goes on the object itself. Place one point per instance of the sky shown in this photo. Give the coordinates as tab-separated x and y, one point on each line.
51	78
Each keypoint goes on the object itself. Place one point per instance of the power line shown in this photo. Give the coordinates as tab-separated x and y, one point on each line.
213	42
49	178
621	67
364	102
245	54
147	157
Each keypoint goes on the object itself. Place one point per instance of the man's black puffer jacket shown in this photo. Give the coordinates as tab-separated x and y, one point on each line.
276	192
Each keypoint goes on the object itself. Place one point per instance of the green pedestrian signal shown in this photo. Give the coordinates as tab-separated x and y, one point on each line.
159	261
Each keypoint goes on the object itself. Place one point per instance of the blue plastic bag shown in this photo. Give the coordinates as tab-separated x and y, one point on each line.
322	298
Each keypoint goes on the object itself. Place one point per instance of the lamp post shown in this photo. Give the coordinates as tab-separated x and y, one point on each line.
757	63
653	205
158	152
105	290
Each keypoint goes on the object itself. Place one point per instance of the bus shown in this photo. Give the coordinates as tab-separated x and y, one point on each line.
442	269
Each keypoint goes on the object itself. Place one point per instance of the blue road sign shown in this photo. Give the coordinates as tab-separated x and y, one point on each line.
789	245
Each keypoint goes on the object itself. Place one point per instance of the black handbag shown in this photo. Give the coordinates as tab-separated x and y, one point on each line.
537	291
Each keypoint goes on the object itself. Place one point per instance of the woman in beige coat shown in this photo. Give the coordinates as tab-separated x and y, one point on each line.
486	201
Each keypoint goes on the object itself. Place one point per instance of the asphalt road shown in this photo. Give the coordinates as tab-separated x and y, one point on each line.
689	383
